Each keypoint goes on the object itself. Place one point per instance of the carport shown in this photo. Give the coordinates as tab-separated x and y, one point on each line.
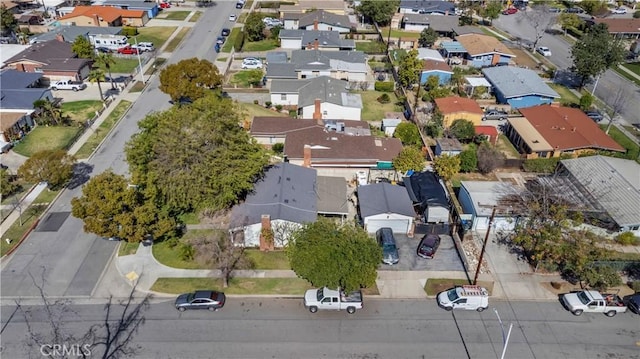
386	205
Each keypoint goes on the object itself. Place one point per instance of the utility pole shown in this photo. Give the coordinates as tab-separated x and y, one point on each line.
484	246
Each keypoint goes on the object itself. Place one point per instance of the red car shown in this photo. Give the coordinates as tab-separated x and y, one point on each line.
128	50
510	11
165	5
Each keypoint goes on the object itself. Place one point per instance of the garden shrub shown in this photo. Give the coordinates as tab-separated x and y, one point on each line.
384	98
384	86
626	239
278	147
129	31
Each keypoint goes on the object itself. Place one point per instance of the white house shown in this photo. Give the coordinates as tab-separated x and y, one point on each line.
478	198
386	205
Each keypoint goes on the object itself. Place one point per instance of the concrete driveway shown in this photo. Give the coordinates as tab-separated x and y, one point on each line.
446	258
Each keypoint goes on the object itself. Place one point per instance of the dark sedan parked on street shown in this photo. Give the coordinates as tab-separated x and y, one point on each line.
200	299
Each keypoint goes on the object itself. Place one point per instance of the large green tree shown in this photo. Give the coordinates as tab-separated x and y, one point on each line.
254	27
192	78
409	69
410	158
569	20
329	254
97	75
595	52
110	206
468	159
8	22
463	130
52	166
446	166
8	183
196	156
82	48
106	61
491	10
380	11
408	133
428	37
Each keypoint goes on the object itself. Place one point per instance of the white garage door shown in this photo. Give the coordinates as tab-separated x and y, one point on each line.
397	225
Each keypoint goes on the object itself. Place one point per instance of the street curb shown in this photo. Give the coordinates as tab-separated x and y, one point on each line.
111	129
104	270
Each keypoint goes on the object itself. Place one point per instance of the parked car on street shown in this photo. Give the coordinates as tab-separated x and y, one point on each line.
232	17
104	50
428	246
495	114
544	51
592	301
128	50
165	5
510	11
633	303
468	297
327	299
595	115
200	299
574	10
220	40
387	241
225	32
217	47
239	5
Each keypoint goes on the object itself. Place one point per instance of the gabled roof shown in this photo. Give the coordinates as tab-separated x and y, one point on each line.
615	182
286	192
281	126
131	3
324	17
452	47
44	52
620	25
324	88
21	99
429	6
278	70
13	79
320	60
71	32
106	13
382	198
8	119
514	81
276	57
490	131
437	22
456	104
566	128
337	148
429	54
479	44
434	65
328	39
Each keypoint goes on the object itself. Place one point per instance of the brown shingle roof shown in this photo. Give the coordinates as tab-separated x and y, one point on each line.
566	128
44	52
619	25
477	44
8	119
430	65
455	104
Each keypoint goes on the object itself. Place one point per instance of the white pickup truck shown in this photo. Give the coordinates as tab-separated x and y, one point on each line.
68	85
327	299
592	301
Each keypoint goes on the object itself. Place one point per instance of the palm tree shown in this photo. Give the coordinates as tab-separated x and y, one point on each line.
48	111
97	75
107	60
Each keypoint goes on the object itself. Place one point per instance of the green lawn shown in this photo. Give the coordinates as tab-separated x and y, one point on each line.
123	66
47	138
399	34
17	231
437	285
251	110
268	260
101	132
626	75
165	254
285	286
46	196
634	67
566	96
371	47
177	15
632	148
241	78
195	16
231	39
373	110
156	34
175	42
80	111
127	248
156	65
264	45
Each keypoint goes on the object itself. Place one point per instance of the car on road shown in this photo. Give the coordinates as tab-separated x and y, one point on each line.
232	17
387	241
239	5
619	11
633	303
128	50
113	239
200	299
574	10
183	100
591	301
225	32
220	40
165	5
468	297
428	246
554	10
595	115
217	47
495	114
544	51
510	11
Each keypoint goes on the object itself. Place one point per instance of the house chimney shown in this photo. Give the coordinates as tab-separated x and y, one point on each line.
306	161
316	43
317	113
309	46
315	24
266	233
60	37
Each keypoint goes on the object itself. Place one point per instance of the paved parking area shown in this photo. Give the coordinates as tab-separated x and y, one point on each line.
446	258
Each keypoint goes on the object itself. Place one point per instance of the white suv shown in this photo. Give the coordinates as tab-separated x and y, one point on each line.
144	46
251	63
468	297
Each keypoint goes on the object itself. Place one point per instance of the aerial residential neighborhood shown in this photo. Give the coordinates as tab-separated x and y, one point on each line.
465	169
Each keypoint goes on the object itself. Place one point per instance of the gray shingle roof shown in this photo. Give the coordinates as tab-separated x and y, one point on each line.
321	60
330	39
281	71
13	79
21	99
70	32
44	52
516	82
288	86
324	88
428	5
614	182
286	192
380	198
276	57
324	17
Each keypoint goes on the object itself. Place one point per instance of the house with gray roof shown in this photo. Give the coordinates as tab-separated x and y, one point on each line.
344	65
437	7
18	93
443	25
613	188
279	57
271	130
478	198
54	59
386	205
317	20
519	87
69	33
287	197
318	98
314	39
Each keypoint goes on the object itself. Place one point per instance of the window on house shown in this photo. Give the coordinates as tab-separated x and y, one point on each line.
283	97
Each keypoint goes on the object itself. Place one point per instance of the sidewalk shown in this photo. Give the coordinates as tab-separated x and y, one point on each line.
23	205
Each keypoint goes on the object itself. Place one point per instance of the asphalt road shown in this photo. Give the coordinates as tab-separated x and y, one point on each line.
283	328
609	84
72	261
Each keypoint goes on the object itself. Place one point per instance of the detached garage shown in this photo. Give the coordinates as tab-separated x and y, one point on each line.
386	205
478	198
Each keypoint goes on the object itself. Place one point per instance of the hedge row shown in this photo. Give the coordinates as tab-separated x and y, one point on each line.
384	86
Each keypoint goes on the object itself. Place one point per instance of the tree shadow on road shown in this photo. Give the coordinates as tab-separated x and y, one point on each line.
80	176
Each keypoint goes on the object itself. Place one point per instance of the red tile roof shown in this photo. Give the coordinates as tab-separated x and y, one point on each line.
566	128
455	104
489	131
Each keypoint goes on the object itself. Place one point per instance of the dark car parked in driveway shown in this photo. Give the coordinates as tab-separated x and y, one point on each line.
387	241
200	299
495	114
428	246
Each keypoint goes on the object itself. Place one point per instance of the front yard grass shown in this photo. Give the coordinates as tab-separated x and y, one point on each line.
189	218
372	110
47	138
371	47
263	45
101	132
268	260
437	285
633	150
81	111
399	34
169	256
195	17
127	248
175	42
241	286
122	65
177	15
241	78
251	110
17	231
156	34
566	96
633	67
231	40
